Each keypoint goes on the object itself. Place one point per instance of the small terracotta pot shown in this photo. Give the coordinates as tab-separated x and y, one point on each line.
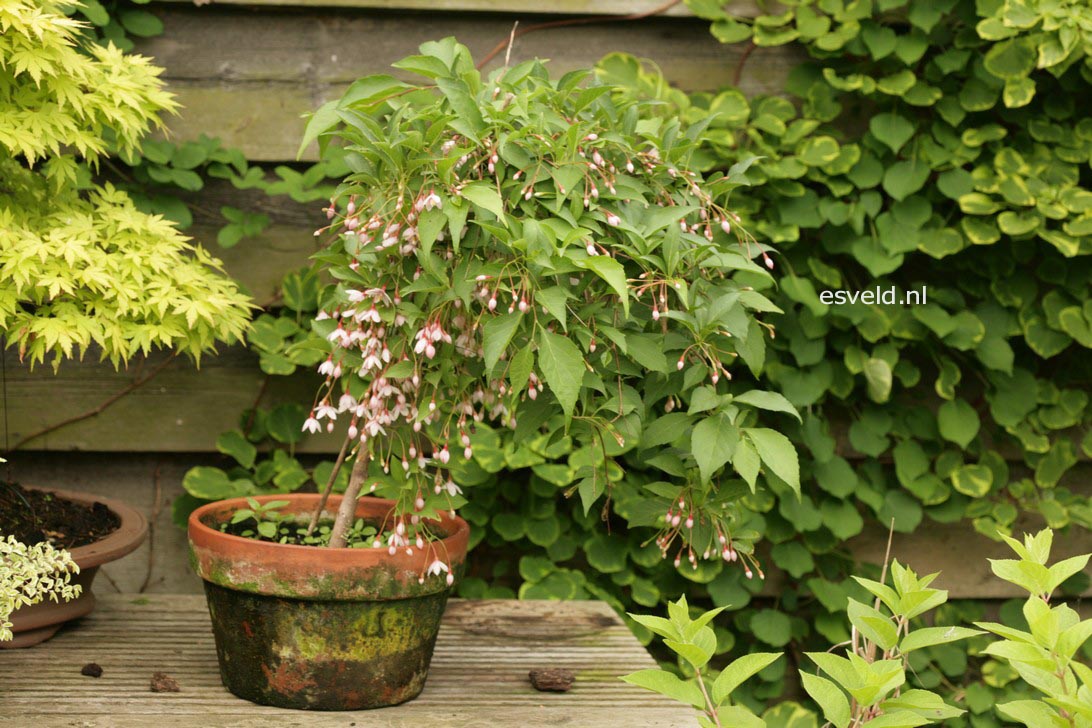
39	622
318	628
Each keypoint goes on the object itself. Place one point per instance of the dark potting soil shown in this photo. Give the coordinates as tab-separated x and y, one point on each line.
34	516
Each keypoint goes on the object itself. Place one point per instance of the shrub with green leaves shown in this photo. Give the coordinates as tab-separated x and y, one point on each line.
80	265
873	683
1046	656
898	159
529	254
974	406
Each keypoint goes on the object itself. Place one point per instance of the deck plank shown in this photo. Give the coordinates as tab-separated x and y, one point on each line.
478	675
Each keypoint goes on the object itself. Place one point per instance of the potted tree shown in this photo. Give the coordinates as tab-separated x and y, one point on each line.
522	254
81	268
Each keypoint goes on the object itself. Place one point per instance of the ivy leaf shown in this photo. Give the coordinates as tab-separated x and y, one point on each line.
958	422
891	129
563	368
713	443
777	453
903	179
772	627
878	375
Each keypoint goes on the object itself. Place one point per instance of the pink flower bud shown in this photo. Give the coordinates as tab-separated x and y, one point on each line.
726	226
681	363
468	452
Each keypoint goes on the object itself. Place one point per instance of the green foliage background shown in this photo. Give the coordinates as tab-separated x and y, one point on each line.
927	143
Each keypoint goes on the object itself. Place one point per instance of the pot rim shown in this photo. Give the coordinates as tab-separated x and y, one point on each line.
123	540
454	527
312	572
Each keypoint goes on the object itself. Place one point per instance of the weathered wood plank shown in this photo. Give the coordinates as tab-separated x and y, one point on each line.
478	674
743	8
183	409
247	77
956	550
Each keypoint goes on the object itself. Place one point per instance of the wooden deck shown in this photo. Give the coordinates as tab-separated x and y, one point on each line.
478	675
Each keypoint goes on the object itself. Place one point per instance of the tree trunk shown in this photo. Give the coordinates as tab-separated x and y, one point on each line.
329	486
347	510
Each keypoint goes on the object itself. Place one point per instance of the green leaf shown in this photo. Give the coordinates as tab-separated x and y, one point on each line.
324	119
519	372
1032	713
930	636
772	627
611	271
879	377
235	444
771	401
141	23
830	698
958	422
872	624
553	299
972	480
1011	59
891	129
485	197
903	179
496	335
746	462
793	557
777	453
713	443
818	150
666	683
563	368
214	484
738	671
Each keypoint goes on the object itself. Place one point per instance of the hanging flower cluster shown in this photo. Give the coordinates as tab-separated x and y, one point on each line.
528	255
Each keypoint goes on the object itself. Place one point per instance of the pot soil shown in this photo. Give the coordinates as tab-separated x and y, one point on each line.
93	529
317	628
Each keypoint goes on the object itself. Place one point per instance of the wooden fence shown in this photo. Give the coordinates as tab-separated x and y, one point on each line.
246	71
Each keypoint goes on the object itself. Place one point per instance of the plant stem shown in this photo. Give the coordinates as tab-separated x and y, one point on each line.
347	509
329	486
505	44
710	709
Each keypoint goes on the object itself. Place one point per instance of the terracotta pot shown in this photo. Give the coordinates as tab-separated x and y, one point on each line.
316	628
39	622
